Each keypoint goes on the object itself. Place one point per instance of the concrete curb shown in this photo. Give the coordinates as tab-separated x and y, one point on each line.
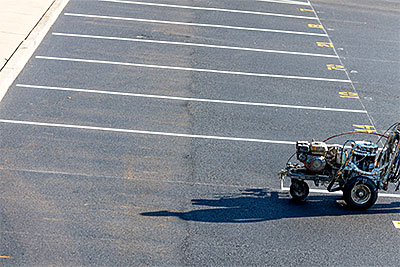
26	49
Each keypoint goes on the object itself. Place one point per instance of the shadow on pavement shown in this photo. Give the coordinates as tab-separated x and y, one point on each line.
257	205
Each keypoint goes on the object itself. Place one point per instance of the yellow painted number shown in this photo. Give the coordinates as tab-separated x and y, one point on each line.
364	128
349	95
335	67
305	10
323	44
315	26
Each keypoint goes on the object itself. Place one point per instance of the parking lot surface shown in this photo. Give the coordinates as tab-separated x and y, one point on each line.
152	132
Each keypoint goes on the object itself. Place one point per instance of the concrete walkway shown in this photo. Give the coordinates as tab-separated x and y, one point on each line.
23	25
17	19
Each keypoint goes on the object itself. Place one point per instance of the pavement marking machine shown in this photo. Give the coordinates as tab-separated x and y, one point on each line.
358	168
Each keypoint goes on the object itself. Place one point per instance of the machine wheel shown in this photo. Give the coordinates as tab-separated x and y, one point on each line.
360	193
299	190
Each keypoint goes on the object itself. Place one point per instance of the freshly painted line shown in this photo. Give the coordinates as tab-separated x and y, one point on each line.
208	9
191	69
316	191
321	191
190	44
372	59
284	2
192	24
189	99
389	195
396	224
83	127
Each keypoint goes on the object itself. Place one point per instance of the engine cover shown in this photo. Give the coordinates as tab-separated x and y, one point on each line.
318	148
315	163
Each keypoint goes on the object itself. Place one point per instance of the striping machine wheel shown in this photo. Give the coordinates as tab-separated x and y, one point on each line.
299	190
360	193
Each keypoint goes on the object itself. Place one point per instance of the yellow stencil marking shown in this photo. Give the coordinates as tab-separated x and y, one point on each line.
365	128
5	257
318	26
335	67
305	9
324	44
349	95
396	224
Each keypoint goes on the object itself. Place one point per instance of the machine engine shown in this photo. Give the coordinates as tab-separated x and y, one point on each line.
313	155
316	156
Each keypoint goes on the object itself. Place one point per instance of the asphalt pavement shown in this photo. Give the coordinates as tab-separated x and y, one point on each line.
152	132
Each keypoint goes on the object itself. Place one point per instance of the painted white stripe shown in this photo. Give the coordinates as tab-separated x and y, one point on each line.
191	44
191	69
321	191
209	9
284	2
316	191
83	127
192	24
188	99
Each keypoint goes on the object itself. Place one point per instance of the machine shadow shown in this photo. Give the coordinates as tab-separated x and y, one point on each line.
257	205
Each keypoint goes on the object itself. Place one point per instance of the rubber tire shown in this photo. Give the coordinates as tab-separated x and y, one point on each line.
347	193
299	190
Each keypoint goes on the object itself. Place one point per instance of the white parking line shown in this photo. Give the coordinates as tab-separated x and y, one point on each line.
285	2
83	127
209	9
191	44
189	99
192	24
192	69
